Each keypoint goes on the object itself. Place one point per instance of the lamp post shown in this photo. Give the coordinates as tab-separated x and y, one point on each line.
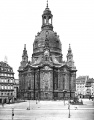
29	97
69	109
64	91
69	95
29	104
12	113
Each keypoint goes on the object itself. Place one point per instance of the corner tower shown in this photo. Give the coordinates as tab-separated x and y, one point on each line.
24	58
70	60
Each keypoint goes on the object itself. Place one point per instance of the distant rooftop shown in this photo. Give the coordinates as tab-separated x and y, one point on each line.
91	80
82	79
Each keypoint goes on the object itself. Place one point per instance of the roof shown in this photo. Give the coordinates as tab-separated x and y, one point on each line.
4	64
4	67
54	41
82	79
91	80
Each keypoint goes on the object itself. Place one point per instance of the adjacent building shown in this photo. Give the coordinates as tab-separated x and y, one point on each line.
47	76
6	83
84	87
90	87
81	86
16	88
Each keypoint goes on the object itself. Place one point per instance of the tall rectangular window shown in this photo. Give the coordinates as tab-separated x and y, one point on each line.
2	87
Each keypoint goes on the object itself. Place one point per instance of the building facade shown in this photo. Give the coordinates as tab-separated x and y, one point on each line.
47	76
90	87
6	83
84	87
81	86
16	88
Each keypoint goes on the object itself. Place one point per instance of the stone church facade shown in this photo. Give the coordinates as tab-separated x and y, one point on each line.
47	76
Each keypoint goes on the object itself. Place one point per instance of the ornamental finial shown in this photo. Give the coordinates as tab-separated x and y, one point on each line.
69	47
24	46
47	4
6	59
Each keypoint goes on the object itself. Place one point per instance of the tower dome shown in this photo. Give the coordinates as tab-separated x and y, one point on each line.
47	30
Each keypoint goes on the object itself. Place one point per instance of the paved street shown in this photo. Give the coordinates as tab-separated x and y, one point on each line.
48	110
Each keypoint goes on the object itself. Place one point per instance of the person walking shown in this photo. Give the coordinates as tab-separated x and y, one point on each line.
2	103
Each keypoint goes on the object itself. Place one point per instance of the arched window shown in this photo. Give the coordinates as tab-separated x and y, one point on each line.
50	20
44	20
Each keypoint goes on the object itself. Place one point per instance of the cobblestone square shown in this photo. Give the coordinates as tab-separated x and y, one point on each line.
47	110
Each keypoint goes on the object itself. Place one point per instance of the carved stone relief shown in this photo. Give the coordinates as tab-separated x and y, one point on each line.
46	79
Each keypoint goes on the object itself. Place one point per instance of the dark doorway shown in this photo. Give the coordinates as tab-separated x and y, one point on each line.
46	96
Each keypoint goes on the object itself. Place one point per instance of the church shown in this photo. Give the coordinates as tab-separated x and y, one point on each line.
47	76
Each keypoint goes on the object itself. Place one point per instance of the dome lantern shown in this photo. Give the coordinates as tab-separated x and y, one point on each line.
47	19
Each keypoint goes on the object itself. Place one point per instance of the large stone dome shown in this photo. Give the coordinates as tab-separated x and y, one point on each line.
54	42
47	32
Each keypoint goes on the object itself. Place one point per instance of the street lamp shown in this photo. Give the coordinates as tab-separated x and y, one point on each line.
69	109
69	95
37	99
64	91
29	98
69	104
29	105
12	113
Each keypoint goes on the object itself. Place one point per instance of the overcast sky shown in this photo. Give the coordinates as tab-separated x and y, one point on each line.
73	20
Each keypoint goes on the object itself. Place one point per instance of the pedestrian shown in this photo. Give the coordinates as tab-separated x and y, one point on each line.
89	97
2	104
